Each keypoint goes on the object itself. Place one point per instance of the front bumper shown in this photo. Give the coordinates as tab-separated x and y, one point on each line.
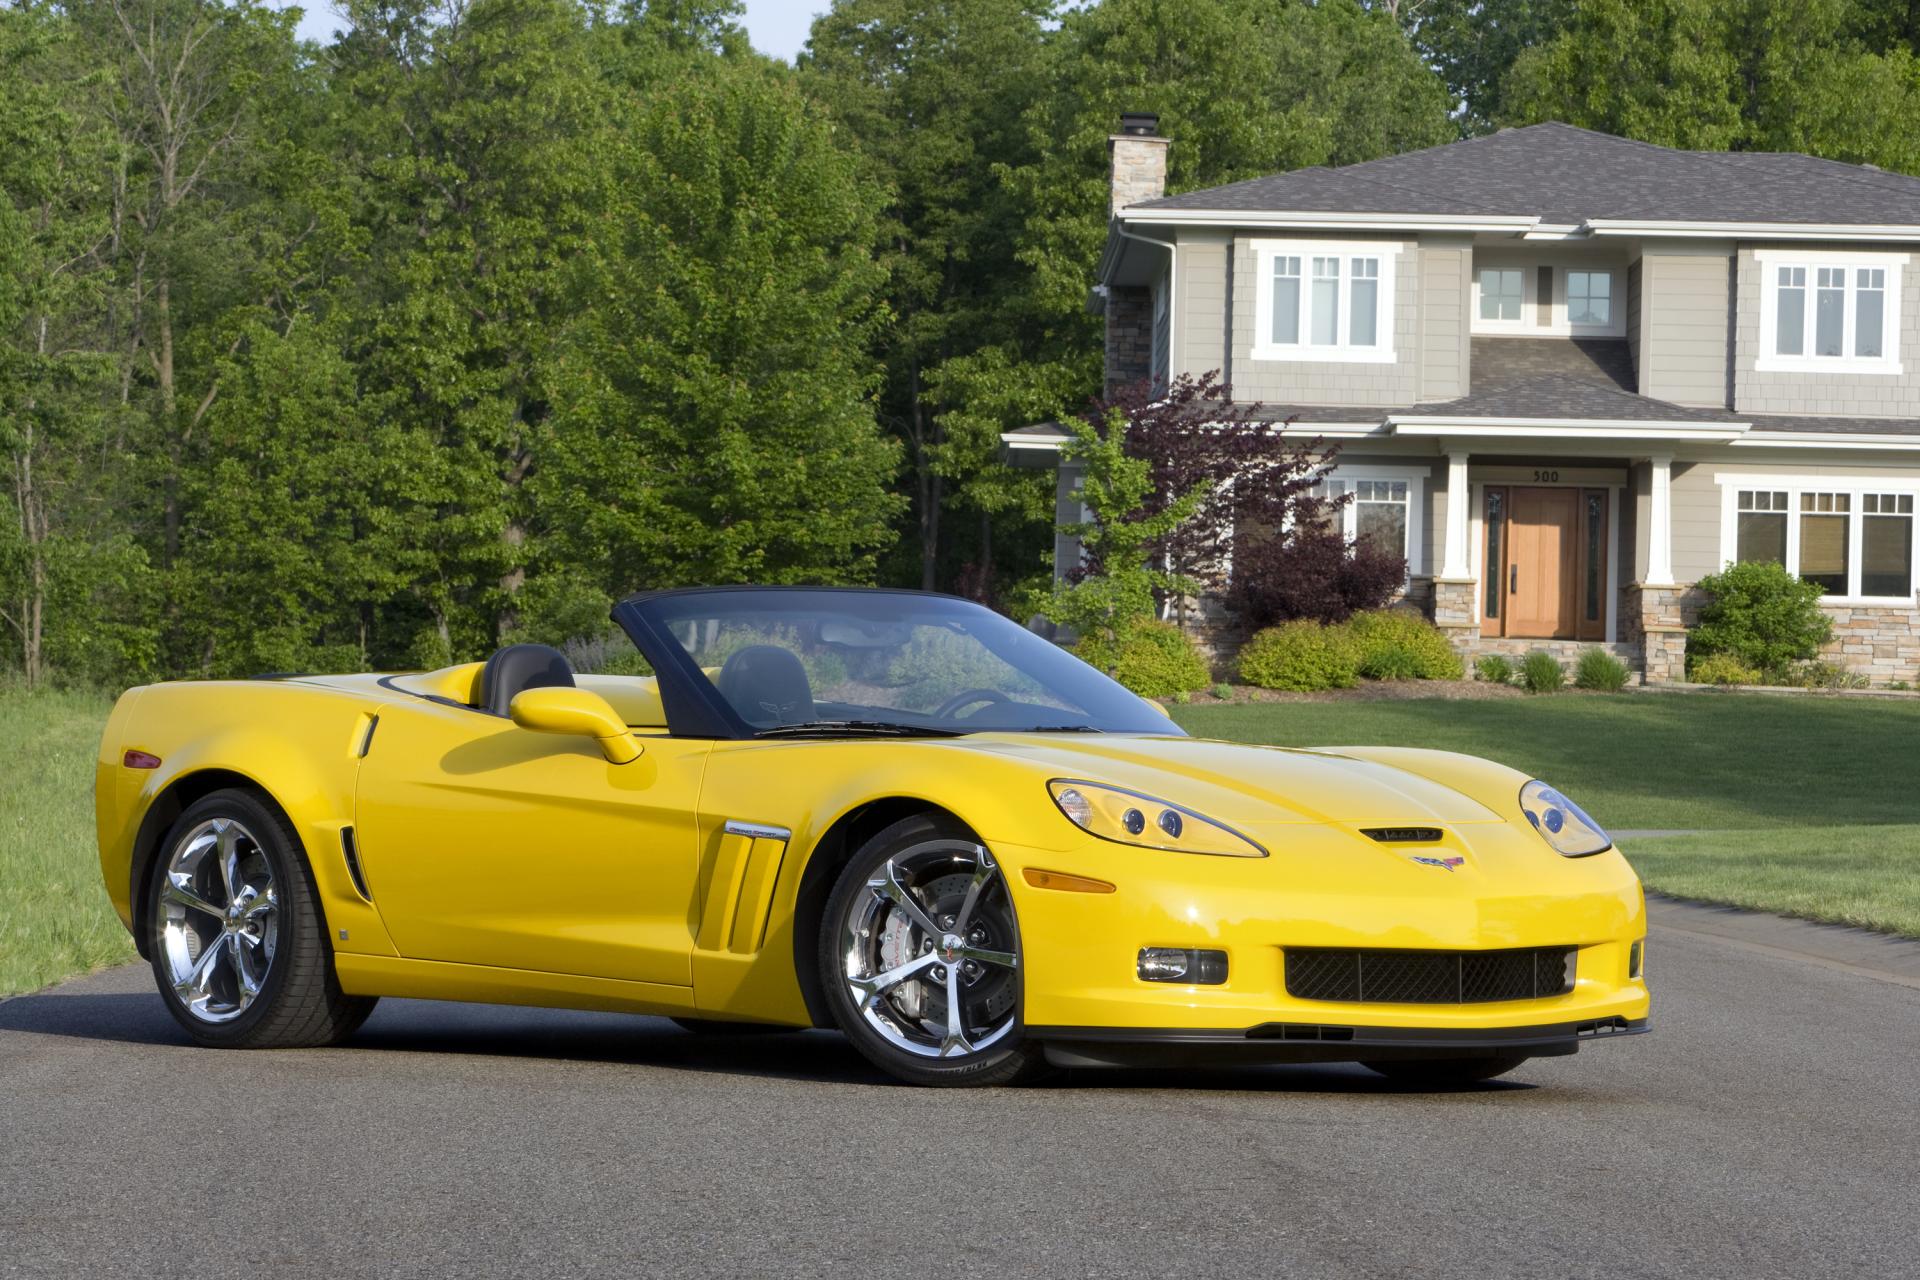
1277	1042
1323	887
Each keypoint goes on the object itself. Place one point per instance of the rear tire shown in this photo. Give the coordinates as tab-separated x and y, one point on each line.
921	922
1445	1071
238	943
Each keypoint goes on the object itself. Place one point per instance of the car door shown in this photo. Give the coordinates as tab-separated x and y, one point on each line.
485	843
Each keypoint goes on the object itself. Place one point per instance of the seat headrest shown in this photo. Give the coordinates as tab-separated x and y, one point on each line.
767	685
518	667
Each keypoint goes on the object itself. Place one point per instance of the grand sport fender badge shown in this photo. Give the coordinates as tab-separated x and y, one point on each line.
1445	863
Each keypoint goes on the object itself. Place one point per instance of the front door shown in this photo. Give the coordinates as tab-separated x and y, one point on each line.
1546	562
488	844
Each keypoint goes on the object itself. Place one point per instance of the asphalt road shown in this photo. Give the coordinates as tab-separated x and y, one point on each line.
1769	1127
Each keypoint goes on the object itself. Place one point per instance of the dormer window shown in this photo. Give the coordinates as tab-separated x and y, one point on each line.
1324	300
1828	312
1590	299
1541	300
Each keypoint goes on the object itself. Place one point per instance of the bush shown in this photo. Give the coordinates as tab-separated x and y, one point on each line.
1494	668
1762	615
1224	692
1397	644
1154	659
1721	668
1542	673
1310	573
1815	675
934	665
1303	656
1598	669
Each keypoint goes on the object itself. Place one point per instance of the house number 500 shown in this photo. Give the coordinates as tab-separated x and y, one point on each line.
1546	477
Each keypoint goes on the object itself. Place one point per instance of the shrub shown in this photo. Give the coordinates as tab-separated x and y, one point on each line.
1154	659
1302	655
1224	692
1815	675
1598	669
934	665
1494	668
1404	646
1310	573
1541	672
1760	614
1721	668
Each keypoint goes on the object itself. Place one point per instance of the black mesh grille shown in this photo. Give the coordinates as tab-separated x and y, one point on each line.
1428	977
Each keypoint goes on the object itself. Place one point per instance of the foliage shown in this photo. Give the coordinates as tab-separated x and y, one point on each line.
1302	655
1760	614
1720	668
1223	691
1541	672
1494	668
1155	659
1399	644
936	664
1308	570
1815	675
1597	669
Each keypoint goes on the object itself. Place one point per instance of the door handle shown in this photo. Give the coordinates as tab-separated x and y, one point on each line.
1513	580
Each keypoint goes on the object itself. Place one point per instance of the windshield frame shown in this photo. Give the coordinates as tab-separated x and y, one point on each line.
694	707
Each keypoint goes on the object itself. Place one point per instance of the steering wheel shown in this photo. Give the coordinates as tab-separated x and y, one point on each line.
966	698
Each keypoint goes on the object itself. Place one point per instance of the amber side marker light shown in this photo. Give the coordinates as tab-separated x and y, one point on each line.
1066	883
140	760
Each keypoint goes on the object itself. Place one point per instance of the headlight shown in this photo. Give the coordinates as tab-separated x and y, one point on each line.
1564	824
1127	817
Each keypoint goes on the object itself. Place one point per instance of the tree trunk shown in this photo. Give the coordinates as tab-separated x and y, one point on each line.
163	372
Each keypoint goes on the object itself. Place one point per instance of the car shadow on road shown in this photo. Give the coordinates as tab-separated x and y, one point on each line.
429	1027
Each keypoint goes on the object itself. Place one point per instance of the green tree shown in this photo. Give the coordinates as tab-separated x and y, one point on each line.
714	415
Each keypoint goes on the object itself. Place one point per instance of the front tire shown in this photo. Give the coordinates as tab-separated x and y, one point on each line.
1444	1072
920	956
238	944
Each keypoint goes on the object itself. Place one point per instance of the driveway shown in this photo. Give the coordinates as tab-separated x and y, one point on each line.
1769	1127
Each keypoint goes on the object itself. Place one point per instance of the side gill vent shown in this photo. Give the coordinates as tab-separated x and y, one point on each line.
1402	835
353	862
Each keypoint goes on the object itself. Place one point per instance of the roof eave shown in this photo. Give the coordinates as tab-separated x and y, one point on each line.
1752	230
1567	428
1829	440
1322	220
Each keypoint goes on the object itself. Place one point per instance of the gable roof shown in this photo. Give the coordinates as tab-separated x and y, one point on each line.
1564	175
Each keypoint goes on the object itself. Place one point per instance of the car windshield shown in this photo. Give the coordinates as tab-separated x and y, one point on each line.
802	661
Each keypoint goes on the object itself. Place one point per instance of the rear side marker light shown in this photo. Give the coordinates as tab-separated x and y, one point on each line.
140	760
1067	884
1170	964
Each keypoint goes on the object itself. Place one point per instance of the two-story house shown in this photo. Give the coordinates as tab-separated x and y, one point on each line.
1571	374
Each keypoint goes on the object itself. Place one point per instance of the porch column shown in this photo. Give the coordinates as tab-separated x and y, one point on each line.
1660	536
1458	562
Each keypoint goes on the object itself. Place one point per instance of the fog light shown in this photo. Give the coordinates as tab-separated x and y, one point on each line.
1635	954
1170	964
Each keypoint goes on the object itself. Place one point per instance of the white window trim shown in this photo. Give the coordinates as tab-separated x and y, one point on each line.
1528	325
1856	488
1265	348
1416	481
1768	262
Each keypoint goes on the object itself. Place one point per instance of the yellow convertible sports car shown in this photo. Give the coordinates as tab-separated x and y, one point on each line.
894	813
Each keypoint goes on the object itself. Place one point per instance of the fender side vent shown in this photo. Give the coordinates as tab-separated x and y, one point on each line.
1403	835
353	862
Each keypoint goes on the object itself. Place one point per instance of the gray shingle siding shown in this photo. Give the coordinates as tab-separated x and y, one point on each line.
1446	300
1310	382
1864	395
1685	299
1201	304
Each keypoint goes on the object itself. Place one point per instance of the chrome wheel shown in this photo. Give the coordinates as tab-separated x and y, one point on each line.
217	919
930	952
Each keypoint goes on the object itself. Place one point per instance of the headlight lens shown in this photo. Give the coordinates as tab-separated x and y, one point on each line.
1127	817
1561	822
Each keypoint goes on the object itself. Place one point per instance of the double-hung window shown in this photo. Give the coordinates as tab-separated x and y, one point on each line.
1828	312
1854	538
1324	300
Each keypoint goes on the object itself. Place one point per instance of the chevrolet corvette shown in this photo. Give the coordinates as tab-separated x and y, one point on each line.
892	813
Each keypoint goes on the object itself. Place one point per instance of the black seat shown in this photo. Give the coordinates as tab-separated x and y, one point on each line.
521	666
767	685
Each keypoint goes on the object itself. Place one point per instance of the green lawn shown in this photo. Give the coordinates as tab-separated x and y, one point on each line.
1804	806
54	917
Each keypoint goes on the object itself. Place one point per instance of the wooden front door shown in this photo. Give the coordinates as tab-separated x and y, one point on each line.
1545	554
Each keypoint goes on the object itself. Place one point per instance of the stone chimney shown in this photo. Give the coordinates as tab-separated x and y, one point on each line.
1139	160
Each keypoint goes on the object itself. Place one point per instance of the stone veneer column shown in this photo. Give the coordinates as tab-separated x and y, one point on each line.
1129	336
1661	621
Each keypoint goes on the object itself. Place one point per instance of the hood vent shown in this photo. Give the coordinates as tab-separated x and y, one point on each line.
1402	835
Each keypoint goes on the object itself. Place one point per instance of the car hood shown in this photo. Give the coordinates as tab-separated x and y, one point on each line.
1237	783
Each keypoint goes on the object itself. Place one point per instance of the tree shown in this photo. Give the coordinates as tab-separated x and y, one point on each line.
1473	43
937	95
713	419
